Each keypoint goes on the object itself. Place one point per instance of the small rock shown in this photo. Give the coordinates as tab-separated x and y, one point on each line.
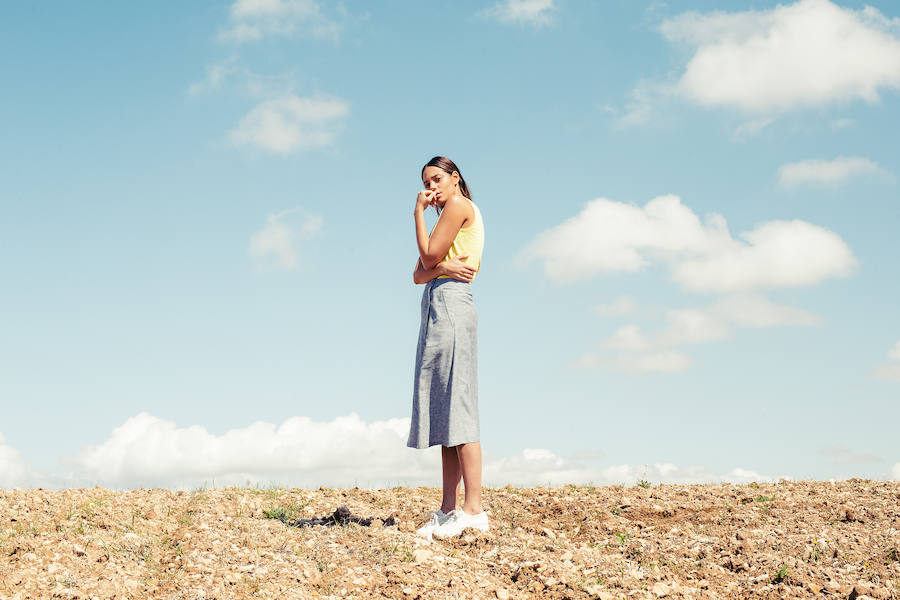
567	555
408	591
848	515
79	550
548	533
660	589
131	538
550	581
422	555
502	594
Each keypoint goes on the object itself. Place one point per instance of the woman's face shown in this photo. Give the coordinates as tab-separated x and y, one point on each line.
441	182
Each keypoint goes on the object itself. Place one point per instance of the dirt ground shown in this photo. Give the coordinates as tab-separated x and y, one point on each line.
780	540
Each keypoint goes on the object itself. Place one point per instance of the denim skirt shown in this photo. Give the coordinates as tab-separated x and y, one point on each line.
445	390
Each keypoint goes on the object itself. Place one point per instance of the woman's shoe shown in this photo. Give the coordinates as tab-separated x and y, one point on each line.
437	517
459	520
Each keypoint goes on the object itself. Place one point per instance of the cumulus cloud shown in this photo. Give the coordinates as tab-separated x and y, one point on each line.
277	243
14	471
776	254
840	454
628	349
290	122
147	451
827	172
891	370
623	305
608	236
811	53
521	12
216	75
252	20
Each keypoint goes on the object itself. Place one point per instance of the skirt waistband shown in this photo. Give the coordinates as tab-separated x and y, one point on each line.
436	282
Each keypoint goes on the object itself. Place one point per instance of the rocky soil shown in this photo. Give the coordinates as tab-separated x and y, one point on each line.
784	540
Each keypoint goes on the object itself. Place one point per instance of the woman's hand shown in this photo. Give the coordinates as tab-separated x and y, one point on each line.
457	269
425	199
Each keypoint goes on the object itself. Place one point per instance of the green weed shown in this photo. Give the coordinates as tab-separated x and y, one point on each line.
782	574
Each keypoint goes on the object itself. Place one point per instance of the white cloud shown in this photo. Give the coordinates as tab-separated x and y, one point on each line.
276	244
894	353
673	474
215	77
827	172
777	254
636	362
627	338
890	371
537	466
608	236
758	311
639	353
752	127
521	12
623	305
811	53
14	471
717	321
147	451
289	123
252	20
843	455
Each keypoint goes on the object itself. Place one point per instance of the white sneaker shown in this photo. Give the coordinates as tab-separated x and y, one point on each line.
437	517
459	520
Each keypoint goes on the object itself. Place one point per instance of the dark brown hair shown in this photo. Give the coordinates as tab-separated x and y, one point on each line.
445	164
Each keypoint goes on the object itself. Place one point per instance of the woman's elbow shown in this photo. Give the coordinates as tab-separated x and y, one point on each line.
429	263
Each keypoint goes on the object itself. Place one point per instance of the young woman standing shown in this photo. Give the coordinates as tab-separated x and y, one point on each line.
445	392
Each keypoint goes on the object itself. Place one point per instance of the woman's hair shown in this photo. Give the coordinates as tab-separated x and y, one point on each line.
445	164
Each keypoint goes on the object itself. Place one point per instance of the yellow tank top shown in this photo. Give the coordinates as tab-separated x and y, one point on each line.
468	241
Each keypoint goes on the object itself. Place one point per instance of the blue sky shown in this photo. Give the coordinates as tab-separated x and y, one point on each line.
690	271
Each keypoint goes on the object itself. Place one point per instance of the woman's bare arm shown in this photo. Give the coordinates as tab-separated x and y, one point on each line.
432	249
456	268
423	275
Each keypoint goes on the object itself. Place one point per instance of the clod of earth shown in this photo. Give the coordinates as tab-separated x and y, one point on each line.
342	516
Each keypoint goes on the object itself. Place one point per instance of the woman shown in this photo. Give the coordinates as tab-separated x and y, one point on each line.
445	393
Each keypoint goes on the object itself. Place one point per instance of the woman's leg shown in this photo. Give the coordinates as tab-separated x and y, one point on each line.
452	478
470	463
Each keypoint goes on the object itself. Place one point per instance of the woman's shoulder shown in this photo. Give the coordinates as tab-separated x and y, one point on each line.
462	204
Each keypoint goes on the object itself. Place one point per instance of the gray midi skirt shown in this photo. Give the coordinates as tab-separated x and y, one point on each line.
445	391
